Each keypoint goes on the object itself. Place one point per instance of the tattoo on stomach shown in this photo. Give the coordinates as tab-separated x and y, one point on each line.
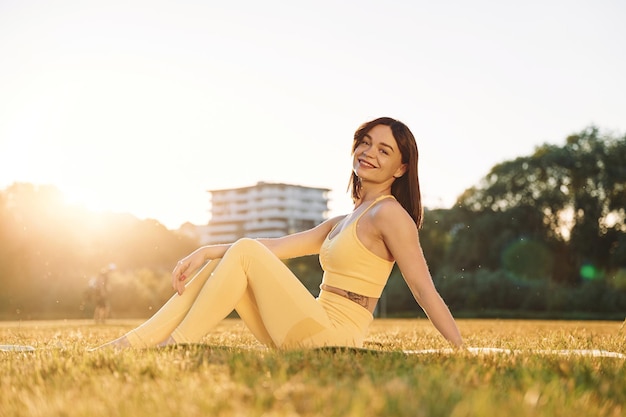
358	298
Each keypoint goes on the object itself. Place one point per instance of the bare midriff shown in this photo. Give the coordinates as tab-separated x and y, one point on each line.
368	303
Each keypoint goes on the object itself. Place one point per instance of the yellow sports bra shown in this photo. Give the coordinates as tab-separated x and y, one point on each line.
349	265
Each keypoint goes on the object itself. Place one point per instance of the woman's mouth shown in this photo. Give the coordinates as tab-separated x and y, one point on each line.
365	163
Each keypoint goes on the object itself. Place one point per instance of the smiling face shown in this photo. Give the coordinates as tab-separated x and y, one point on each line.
384	152
377	158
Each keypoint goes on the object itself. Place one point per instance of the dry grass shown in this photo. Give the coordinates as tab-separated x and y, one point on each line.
231	375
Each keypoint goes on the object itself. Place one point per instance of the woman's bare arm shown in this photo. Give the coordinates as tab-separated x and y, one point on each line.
401	237
303	243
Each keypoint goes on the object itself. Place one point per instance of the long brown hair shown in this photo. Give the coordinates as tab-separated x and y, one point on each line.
405	189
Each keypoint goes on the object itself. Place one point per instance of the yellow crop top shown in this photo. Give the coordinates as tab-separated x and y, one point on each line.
349	265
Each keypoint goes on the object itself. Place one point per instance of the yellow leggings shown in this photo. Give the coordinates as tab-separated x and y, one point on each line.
272	302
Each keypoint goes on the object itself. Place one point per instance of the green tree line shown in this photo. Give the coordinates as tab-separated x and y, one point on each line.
542	234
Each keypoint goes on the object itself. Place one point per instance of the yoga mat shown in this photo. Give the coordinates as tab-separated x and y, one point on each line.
489	351
16	348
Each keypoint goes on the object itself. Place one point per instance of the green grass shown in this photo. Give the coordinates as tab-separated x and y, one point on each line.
231	375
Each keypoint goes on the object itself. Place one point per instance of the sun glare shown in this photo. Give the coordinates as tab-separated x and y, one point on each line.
88	199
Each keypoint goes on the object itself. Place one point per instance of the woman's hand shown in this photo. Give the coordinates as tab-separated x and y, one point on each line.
185	267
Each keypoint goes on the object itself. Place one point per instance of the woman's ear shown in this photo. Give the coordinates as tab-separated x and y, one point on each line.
400	171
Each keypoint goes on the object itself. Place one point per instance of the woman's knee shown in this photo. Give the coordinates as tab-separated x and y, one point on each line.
247	245
245	242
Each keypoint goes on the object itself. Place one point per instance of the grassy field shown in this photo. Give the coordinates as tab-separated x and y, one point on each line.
231	375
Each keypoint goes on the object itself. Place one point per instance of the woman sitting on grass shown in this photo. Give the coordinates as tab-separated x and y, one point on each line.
356	251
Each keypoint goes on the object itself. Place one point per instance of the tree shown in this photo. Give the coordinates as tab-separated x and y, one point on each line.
570	198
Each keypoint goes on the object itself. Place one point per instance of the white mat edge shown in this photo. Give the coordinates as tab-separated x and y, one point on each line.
16	348
488	350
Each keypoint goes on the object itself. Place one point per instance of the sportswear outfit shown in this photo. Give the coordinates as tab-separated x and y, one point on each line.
277	308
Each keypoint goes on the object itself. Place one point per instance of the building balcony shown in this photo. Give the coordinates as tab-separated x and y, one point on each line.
266	225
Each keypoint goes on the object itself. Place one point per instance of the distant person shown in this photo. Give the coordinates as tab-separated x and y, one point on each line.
99	288
356	251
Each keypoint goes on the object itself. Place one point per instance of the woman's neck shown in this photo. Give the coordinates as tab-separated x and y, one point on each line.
368	195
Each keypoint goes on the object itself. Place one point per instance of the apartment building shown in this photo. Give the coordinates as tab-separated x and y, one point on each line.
265	210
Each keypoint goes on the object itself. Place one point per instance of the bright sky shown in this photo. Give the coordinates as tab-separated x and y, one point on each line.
142	106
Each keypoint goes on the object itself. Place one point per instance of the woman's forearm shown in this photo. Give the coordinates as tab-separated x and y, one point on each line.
211	252
439	314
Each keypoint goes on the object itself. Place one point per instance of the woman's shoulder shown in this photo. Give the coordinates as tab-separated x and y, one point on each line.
389	210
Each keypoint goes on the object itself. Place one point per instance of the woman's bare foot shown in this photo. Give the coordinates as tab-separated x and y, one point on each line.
117	344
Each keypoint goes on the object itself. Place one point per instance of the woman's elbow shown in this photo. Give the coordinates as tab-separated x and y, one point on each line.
426	296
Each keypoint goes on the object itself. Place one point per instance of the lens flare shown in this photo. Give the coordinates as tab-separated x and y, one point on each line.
588	272
528	259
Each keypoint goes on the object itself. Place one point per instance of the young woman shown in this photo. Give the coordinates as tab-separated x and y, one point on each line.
356	252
